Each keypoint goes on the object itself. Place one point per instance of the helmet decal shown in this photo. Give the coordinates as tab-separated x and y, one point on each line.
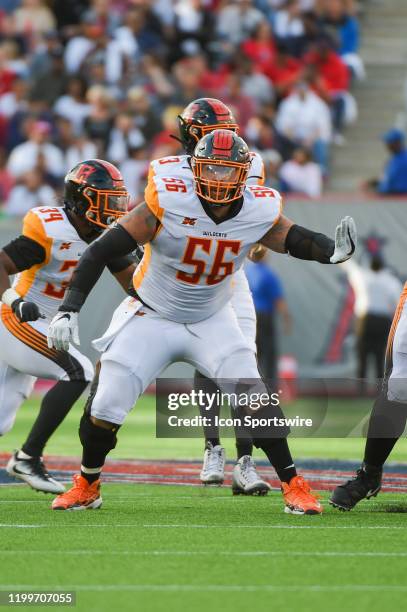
83	172
222	143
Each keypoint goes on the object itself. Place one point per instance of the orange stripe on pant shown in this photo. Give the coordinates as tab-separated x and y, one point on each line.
38	342
26	334
392	333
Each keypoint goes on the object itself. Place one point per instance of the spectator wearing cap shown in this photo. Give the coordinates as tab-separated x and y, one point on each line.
37	151
394	180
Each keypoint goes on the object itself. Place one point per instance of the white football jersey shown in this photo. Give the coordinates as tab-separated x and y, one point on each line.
185	271
45	283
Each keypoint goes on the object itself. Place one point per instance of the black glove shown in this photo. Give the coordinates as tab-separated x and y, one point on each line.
25	311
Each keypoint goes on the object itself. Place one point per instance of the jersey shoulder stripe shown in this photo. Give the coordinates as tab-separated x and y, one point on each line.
33	228
151	196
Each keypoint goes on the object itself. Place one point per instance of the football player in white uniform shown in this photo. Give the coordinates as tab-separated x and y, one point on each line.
201	117
43	258
196	232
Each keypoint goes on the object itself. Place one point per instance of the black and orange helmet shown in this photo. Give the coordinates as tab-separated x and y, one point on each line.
94	189
201	117
220	164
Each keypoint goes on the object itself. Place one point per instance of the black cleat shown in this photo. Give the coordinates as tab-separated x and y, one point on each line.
366	484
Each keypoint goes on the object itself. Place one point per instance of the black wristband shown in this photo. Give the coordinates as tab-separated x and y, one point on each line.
303	243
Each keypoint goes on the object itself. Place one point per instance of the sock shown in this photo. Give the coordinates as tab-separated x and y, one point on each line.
54	407
377	451
244	446
90	474
206	385
278	453
96	442
213	441
386	425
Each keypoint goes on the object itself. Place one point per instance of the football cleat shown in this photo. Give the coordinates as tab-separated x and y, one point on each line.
366	484
213	469
82	496
299	498
246	480
33	472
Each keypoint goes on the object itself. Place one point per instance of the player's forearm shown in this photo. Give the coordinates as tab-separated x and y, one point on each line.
303	243
6	269
113	244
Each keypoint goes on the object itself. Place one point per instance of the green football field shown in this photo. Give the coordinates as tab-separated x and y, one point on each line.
157	547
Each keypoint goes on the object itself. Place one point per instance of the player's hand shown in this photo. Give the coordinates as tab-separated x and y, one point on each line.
26	311
345	241
63	330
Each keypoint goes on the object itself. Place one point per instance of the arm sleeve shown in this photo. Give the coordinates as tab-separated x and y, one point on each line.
121	263
25	252
115	243
303	243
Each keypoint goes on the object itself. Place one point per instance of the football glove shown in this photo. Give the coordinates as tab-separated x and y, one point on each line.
26	311
345	241
63	330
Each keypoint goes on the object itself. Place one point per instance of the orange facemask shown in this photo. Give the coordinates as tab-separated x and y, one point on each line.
219	181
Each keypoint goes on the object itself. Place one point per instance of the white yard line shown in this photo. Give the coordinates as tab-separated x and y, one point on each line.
210	587
198	553
187	526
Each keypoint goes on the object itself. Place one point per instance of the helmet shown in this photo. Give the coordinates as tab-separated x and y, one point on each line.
220	164
202	116
94	189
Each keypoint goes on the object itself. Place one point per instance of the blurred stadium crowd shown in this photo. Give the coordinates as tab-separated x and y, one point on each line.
107	78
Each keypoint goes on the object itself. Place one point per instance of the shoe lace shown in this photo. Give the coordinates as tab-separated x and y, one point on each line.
38	467
303	490
77	490
248	470
215	459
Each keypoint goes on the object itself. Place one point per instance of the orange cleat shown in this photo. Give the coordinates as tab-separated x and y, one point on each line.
298	497
82	496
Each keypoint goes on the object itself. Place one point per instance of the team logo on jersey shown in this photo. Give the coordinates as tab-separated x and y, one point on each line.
189	221
65	246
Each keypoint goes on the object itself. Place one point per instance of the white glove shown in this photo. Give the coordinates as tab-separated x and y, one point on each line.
63	330
345	241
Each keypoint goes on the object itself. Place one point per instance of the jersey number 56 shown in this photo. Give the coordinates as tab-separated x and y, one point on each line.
219	269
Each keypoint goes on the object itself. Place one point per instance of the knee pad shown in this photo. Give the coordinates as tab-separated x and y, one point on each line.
97	438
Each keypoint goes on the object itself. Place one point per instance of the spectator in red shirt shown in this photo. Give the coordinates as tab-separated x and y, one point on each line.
7	76
261	47
284	71
335	77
